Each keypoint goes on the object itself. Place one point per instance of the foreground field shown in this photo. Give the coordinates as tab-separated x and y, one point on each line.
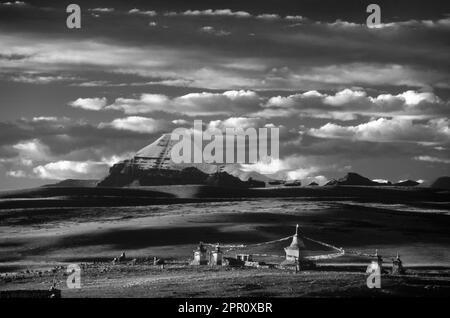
39	231
106	280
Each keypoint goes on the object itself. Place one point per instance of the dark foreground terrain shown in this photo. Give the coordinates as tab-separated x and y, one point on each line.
106	280
43	230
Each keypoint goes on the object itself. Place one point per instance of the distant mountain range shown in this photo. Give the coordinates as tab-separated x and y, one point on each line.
354	179
122	175
236	171
153	165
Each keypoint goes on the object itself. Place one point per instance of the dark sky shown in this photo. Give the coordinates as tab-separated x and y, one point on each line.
346	97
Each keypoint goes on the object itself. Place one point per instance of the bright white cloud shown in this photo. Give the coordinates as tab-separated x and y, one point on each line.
149	13
89	103
16	173
268	16
236	122
348	103
344	97
102	10
211	12
301	173
13	3
193	104
380	180
432	159
33	150
214	31
65	169
145	104
388	130
265	167
137	124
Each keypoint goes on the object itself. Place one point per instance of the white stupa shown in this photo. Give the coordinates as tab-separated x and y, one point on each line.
293	251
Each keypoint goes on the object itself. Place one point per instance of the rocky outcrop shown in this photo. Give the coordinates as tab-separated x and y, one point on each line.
353	179
313	184
442	183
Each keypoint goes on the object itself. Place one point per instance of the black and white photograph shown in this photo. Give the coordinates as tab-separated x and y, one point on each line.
223	149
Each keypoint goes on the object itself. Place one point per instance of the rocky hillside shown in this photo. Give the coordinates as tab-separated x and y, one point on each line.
124	174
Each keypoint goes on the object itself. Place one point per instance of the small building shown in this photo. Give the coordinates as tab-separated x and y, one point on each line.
244	257
200	255
216	257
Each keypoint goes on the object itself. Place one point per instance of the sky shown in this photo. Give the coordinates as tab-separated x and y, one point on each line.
345	97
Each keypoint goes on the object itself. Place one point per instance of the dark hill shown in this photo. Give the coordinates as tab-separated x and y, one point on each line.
407	183
441	183
353	179
68	183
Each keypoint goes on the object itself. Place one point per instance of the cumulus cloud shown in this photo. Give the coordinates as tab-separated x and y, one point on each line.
180	122
13	3
89	103
36	78
347	104
149	13
32	150
440	23
388	130
268	16
265	167
344	105
65	169
211	12
355	74
237	122
145	104
137	124
193	104
16	173
102	10
432	159
211	30
291	168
